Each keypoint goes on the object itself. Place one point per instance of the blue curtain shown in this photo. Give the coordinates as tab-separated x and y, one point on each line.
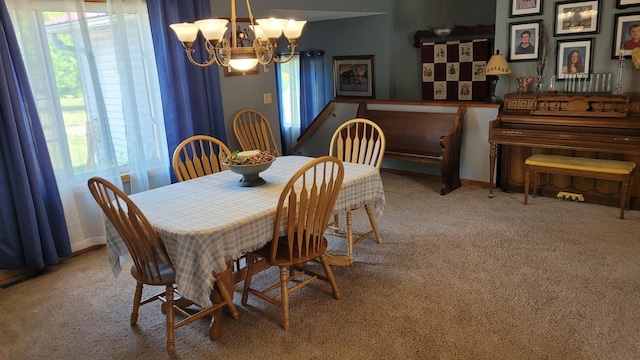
33	230
312	86
191	96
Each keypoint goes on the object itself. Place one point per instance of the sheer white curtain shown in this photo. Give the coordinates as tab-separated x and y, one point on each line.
93	74
289	96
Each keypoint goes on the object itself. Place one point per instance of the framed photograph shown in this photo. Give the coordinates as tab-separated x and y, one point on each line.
353	76
577	17
524	43
525	7
626	34
573	57
244	37
627	3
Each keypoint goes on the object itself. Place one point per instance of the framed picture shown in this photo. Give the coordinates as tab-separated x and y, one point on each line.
626	35
627	3
525	7
524	41
244	37
577	17
353	76
573	57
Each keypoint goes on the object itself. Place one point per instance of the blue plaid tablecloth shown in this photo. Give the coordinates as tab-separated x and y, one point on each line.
207	221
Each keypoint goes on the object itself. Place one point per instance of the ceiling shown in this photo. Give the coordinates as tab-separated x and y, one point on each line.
313	15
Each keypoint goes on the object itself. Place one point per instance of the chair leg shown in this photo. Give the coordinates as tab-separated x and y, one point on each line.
624	197
137	298
170	341
526	186
247	279
374	225
350	237
330	278
284	293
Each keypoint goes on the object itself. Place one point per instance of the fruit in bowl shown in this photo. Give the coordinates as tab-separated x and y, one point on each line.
250	157
249	164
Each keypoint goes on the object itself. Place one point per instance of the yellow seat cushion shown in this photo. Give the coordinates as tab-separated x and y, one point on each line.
579	163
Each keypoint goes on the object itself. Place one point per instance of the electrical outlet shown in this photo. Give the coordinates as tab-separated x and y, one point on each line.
267	98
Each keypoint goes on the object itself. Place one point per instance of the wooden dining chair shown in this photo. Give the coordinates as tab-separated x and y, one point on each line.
306	203
253	131
151	263
197	156
359	141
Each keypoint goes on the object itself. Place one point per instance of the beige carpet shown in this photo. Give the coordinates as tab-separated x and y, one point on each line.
459	276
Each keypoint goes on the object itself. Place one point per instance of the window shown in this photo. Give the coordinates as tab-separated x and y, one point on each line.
301	93
95	84
289	101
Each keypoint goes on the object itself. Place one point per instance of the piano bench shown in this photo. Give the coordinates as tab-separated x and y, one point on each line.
583	167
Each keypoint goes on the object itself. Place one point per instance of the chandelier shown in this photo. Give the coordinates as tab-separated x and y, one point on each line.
227	52
443	30
446	24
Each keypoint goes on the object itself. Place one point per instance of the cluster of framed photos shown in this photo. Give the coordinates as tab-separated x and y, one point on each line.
571	18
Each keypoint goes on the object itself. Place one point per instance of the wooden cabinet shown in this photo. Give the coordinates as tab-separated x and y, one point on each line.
592	126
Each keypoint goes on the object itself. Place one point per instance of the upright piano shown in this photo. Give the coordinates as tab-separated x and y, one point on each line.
585	125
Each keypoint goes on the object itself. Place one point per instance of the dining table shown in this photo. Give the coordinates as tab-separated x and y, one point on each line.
207	222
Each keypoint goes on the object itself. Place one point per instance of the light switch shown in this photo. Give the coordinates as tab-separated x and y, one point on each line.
267	98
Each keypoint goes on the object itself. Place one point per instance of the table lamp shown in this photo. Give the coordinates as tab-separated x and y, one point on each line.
497	65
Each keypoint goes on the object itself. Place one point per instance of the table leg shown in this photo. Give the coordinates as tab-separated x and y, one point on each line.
215	326
222	293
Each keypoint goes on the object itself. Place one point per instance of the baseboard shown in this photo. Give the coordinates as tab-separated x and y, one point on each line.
475	183
437	177
85	250
12	277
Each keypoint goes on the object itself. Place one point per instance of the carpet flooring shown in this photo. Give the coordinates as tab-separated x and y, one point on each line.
459	276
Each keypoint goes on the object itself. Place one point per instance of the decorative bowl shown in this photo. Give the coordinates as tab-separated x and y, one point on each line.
250	172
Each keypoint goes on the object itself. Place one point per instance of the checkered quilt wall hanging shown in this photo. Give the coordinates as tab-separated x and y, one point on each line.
455	70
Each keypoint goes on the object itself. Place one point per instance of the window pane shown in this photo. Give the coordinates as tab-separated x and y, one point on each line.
93	88
289	91
72	104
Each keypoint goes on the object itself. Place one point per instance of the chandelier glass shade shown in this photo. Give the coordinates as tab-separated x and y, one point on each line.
227	52
442	31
